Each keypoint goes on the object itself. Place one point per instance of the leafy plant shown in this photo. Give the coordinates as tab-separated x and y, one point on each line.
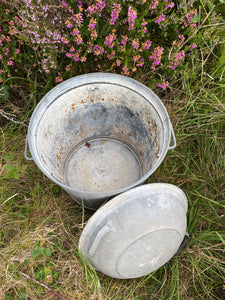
68	38
12	172
39	251
4	94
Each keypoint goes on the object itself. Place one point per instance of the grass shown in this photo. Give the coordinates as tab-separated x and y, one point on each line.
40	224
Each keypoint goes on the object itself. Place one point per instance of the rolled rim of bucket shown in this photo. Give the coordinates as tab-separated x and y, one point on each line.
98	78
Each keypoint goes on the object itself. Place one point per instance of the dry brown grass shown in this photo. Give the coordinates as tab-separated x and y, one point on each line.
37	214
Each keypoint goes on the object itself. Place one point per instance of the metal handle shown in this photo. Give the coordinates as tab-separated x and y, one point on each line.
25	152
173	136
184	243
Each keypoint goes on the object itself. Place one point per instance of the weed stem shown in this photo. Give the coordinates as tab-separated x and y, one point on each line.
44	285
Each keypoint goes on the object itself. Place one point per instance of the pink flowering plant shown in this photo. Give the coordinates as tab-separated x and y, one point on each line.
60	39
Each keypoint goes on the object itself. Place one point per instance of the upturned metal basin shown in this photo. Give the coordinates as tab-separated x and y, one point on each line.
136	232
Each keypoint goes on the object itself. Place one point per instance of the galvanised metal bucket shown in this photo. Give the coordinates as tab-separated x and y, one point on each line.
99	135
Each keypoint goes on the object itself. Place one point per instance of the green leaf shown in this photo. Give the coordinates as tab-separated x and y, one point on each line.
47	271
222	1
9	156
39	273
36	252
55	276
12	174
16	175
47	252
210	5
9	167
22	295
195	18
4	92
8	175
26	262
8	297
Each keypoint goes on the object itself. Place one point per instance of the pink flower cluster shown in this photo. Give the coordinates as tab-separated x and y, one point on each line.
109	40
135	44
170	5
163	85
188	20
75	31
160	19
176	60
59	78
64	41
92	24
115	13
75	55
125	71
138	60
156	57
91	28
153	5
124	40
45	40
9	54
192	46
96	8
144	28
132	15
77	18
146	45
98	50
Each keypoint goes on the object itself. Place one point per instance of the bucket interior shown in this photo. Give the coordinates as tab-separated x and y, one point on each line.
100	137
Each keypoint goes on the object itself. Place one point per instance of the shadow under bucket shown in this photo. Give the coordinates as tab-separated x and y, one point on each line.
99	135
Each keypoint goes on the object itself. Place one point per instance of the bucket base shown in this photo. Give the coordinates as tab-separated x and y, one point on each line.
101	165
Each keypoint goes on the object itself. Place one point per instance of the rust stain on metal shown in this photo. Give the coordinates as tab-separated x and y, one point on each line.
46	132
59	156
73	106
141	153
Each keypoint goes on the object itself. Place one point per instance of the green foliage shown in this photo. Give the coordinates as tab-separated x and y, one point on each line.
22	294
8	296
66	39
4	94
39	251
12	172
